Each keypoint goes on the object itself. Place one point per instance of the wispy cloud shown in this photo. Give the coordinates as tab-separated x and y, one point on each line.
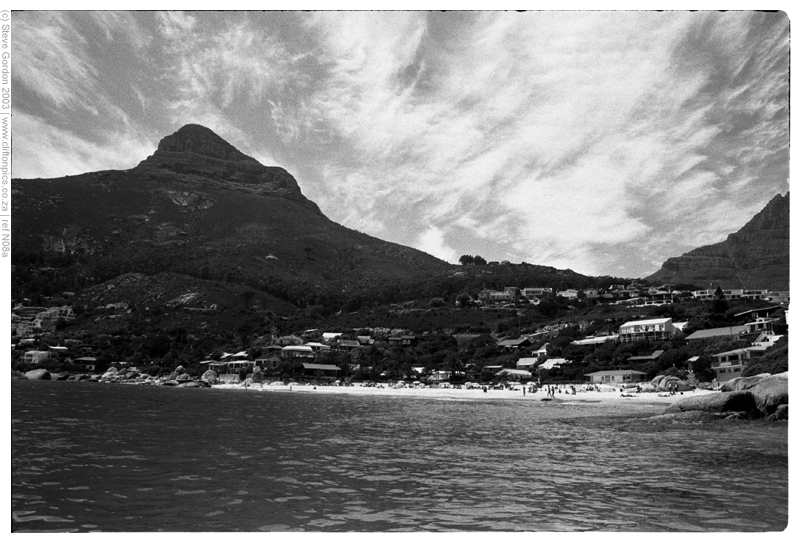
600	141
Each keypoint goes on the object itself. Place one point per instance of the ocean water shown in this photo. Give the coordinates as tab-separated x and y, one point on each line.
96	457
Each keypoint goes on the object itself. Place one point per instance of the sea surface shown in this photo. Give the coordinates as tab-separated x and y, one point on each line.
101	457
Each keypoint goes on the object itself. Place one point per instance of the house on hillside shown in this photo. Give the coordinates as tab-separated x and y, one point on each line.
289	340
527	363
730	364
536	292
778	296
727	331
652	329
402	341
346	345
569	294
297	351
88	363
325	372
515	375
552	363
616	377
652	357
594	340
514	344
270	363
36	357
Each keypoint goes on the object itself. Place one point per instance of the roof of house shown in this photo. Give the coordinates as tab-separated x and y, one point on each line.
305	348
647	322
715	332
595	339
553	362
735	351
654	355
521	373
768	309
231	355
349	343
323	367
513	342
527	361
617	372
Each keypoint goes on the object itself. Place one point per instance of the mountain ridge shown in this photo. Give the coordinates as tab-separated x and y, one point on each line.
200	207
754	257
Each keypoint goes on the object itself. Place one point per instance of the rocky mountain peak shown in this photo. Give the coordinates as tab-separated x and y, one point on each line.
196	155
199	140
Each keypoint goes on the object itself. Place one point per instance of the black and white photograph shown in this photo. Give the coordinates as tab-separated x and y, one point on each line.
399	271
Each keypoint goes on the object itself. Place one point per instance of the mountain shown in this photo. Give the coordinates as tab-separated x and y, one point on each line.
755	257
199	207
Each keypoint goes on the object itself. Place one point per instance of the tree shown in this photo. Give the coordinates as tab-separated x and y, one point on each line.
479	261
719	305
247	298
244	332
467	260
463	299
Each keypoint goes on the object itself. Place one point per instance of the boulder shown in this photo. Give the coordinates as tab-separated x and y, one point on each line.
194	384
210	376
40	374
781	413
769	393
61	376
169	383
112	370
180	369
742	383
718	402
184	377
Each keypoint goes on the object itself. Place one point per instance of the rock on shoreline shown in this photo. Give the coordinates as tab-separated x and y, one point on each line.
762	395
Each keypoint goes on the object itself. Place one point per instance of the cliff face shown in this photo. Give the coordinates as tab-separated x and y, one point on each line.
757	256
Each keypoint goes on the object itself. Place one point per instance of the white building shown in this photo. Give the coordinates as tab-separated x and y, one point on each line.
654	329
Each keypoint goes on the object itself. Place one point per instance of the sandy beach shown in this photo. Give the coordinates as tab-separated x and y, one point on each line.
607	398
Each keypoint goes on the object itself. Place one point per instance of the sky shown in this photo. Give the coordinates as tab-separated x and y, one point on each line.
602	142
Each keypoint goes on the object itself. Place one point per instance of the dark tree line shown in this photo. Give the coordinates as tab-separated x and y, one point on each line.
469	260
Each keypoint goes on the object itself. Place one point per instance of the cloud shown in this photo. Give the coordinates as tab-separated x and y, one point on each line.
432	241
49	60
595	140
47	152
